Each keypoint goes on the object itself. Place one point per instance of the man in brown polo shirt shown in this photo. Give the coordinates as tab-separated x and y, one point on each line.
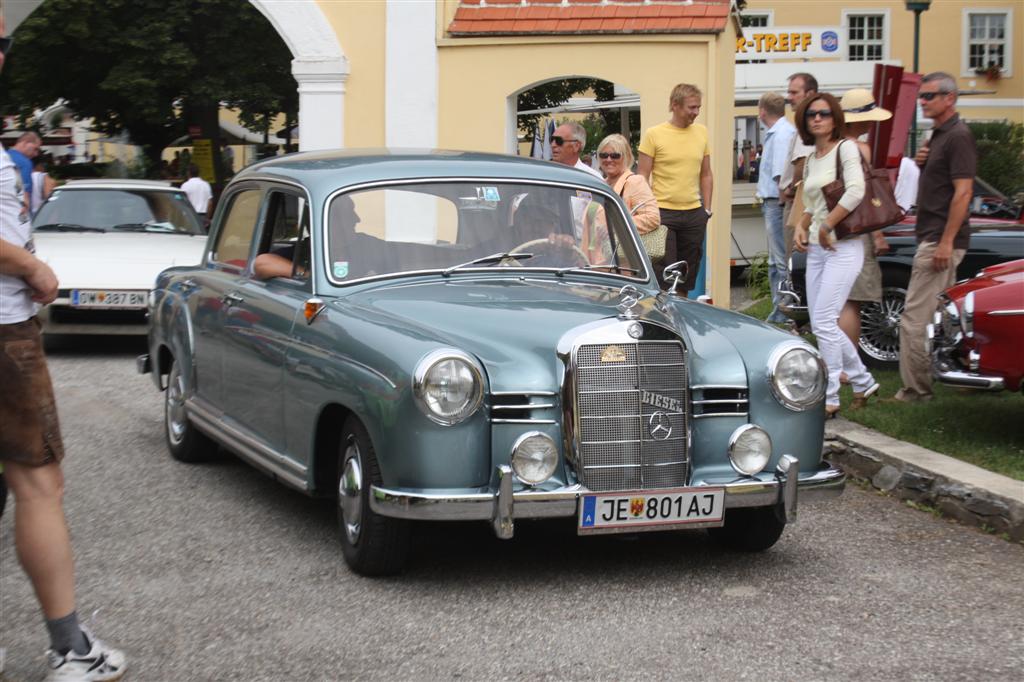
948	165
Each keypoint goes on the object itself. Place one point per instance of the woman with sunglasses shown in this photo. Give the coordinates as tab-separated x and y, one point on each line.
832	266
616	160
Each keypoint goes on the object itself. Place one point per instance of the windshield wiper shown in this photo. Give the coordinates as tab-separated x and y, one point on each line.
612	266
143	227
67	227
488	260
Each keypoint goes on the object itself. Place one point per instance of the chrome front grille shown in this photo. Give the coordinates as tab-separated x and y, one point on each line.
631	403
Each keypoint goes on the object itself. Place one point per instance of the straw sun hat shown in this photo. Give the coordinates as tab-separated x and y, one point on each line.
859	105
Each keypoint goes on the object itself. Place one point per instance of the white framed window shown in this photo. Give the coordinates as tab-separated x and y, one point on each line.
987	40
753	20
867	35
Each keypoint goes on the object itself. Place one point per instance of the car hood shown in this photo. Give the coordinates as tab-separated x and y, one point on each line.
129	260
511	326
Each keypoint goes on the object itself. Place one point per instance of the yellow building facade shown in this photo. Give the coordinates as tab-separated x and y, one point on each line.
960	37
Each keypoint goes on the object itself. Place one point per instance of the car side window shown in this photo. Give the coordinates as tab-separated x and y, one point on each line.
286	233
234	239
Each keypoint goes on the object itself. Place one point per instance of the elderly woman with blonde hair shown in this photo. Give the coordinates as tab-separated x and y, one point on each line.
616	160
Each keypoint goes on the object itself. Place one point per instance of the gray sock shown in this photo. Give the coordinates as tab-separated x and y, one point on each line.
66	634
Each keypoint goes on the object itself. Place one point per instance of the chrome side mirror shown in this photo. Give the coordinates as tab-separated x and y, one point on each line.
675	273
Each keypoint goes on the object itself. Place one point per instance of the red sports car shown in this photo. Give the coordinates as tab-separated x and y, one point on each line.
975	341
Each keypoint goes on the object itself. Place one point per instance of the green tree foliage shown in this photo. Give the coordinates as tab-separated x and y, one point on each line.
150	67
553	94
1001	155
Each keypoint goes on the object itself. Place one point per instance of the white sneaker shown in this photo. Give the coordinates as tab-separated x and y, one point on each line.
101	664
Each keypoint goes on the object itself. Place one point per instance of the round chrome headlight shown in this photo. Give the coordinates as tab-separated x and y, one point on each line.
796	375
534	457
448	386
750	448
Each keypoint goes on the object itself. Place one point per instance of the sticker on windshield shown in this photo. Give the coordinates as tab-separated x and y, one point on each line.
584	195
490	194
340	269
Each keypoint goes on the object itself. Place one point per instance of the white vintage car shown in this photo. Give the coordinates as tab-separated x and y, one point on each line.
107	240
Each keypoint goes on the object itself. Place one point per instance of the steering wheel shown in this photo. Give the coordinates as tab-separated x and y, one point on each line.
546	246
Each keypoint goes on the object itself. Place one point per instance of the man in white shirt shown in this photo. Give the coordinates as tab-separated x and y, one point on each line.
774	158
567	144
800	86
199	193
31	448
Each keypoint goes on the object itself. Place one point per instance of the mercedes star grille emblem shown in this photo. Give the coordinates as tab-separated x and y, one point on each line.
659	426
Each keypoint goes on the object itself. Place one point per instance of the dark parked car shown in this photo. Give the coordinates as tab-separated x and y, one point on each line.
976	336
993	241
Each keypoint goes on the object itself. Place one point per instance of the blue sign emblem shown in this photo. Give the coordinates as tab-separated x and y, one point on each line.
829	41
589	511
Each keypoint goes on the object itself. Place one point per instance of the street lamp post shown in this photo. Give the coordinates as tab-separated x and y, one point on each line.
916	7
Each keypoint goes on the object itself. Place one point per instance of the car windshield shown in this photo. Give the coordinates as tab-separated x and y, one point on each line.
454	226
129	210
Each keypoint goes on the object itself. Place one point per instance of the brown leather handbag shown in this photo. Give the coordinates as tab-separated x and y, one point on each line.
878	209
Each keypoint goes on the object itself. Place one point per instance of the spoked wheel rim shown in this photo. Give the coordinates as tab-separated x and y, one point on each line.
175	407
880	325
350	492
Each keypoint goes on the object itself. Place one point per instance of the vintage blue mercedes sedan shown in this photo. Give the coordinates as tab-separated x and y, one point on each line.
459	336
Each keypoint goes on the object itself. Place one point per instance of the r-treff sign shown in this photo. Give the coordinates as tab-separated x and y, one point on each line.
790	42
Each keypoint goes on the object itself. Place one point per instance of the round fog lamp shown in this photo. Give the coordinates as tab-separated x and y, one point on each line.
534	457
750	448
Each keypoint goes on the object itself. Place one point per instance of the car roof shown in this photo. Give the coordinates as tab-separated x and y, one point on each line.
328	170
120	183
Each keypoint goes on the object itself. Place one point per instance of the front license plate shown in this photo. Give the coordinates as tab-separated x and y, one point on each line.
650	510
87	298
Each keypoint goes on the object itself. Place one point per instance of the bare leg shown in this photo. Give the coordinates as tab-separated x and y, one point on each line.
41	535
849	321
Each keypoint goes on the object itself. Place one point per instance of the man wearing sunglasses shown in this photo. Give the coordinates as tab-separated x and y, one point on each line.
948	162
31	449
567	144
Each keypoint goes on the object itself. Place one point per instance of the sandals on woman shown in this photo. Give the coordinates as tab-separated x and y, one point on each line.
860	400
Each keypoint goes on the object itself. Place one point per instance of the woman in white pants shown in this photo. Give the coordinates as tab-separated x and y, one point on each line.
832	266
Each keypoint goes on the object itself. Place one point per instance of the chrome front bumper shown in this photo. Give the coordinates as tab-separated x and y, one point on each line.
969	379
947	370
502	506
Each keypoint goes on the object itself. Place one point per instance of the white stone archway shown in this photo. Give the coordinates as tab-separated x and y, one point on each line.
319	65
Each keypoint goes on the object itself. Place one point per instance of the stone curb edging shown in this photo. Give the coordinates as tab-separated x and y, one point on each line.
962	491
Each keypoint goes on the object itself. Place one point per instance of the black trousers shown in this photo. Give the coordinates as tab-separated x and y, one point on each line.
685	241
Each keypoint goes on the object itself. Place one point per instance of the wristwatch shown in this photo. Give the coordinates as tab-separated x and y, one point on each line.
708	212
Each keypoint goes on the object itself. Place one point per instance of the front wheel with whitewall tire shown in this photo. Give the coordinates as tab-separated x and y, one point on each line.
184	441
373	545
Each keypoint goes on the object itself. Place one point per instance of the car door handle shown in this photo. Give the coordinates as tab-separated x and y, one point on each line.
231	299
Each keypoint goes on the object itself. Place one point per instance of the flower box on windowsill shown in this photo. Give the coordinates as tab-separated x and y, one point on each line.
991	72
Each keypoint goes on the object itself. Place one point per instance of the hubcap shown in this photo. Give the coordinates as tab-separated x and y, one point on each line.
350	493
880	326
175	402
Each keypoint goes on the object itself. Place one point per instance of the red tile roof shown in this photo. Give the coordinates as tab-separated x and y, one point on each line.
555	17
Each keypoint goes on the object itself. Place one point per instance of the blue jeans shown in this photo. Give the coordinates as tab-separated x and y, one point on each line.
778	268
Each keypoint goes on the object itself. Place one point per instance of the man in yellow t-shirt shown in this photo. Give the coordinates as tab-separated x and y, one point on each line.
676	161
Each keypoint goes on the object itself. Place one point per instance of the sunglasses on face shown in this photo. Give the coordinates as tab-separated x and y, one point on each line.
929	96
812	114
559	140
610	155
5	44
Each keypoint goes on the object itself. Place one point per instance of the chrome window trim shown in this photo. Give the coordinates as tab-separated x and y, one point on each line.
431	359
773	362
375	184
